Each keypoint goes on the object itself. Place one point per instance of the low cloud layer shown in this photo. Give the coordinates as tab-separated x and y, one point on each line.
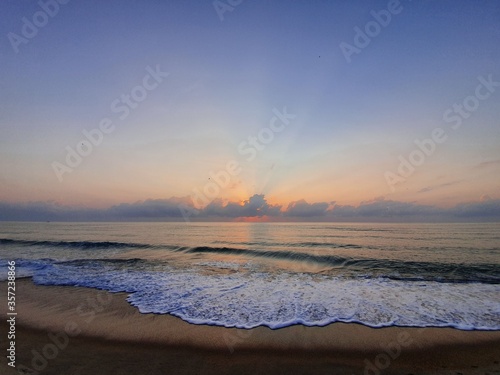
179	209
255	206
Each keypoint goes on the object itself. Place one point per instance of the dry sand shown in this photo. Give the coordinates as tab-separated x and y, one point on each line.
68	330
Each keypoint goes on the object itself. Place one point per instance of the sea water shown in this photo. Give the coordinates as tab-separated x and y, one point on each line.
274	274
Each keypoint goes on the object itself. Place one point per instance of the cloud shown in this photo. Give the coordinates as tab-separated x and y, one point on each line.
488	208
379	209
51	211
40	211
487	164
426	189
303	209
151	208
434	187
256	206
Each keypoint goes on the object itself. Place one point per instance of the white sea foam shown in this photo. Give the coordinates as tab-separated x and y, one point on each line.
251	299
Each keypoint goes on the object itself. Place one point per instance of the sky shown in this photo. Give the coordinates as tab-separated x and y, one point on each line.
250	110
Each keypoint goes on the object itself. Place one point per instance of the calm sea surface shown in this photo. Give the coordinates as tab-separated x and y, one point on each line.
274	274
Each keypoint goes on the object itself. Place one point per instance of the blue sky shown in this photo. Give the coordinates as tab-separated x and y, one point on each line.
226	78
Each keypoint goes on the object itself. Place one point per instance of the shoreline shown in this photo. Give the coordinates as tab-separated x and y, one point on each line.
99	322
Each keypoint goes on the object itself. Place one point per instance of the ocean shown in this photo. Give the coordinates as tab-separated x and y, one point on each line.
274	274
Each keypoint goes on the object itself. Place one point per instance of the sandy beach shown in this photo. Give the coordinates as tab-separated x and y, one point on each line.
69	330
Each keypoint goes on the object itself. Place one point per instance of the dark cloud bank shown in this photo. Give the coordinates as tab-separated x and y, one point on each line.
181	209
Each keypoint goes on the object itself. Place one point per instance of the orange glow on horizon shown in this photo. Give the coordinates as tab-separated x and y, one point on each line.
252	219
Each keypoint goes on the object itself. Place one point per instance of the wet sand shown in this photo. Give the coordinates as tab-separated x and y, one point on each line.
68	330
